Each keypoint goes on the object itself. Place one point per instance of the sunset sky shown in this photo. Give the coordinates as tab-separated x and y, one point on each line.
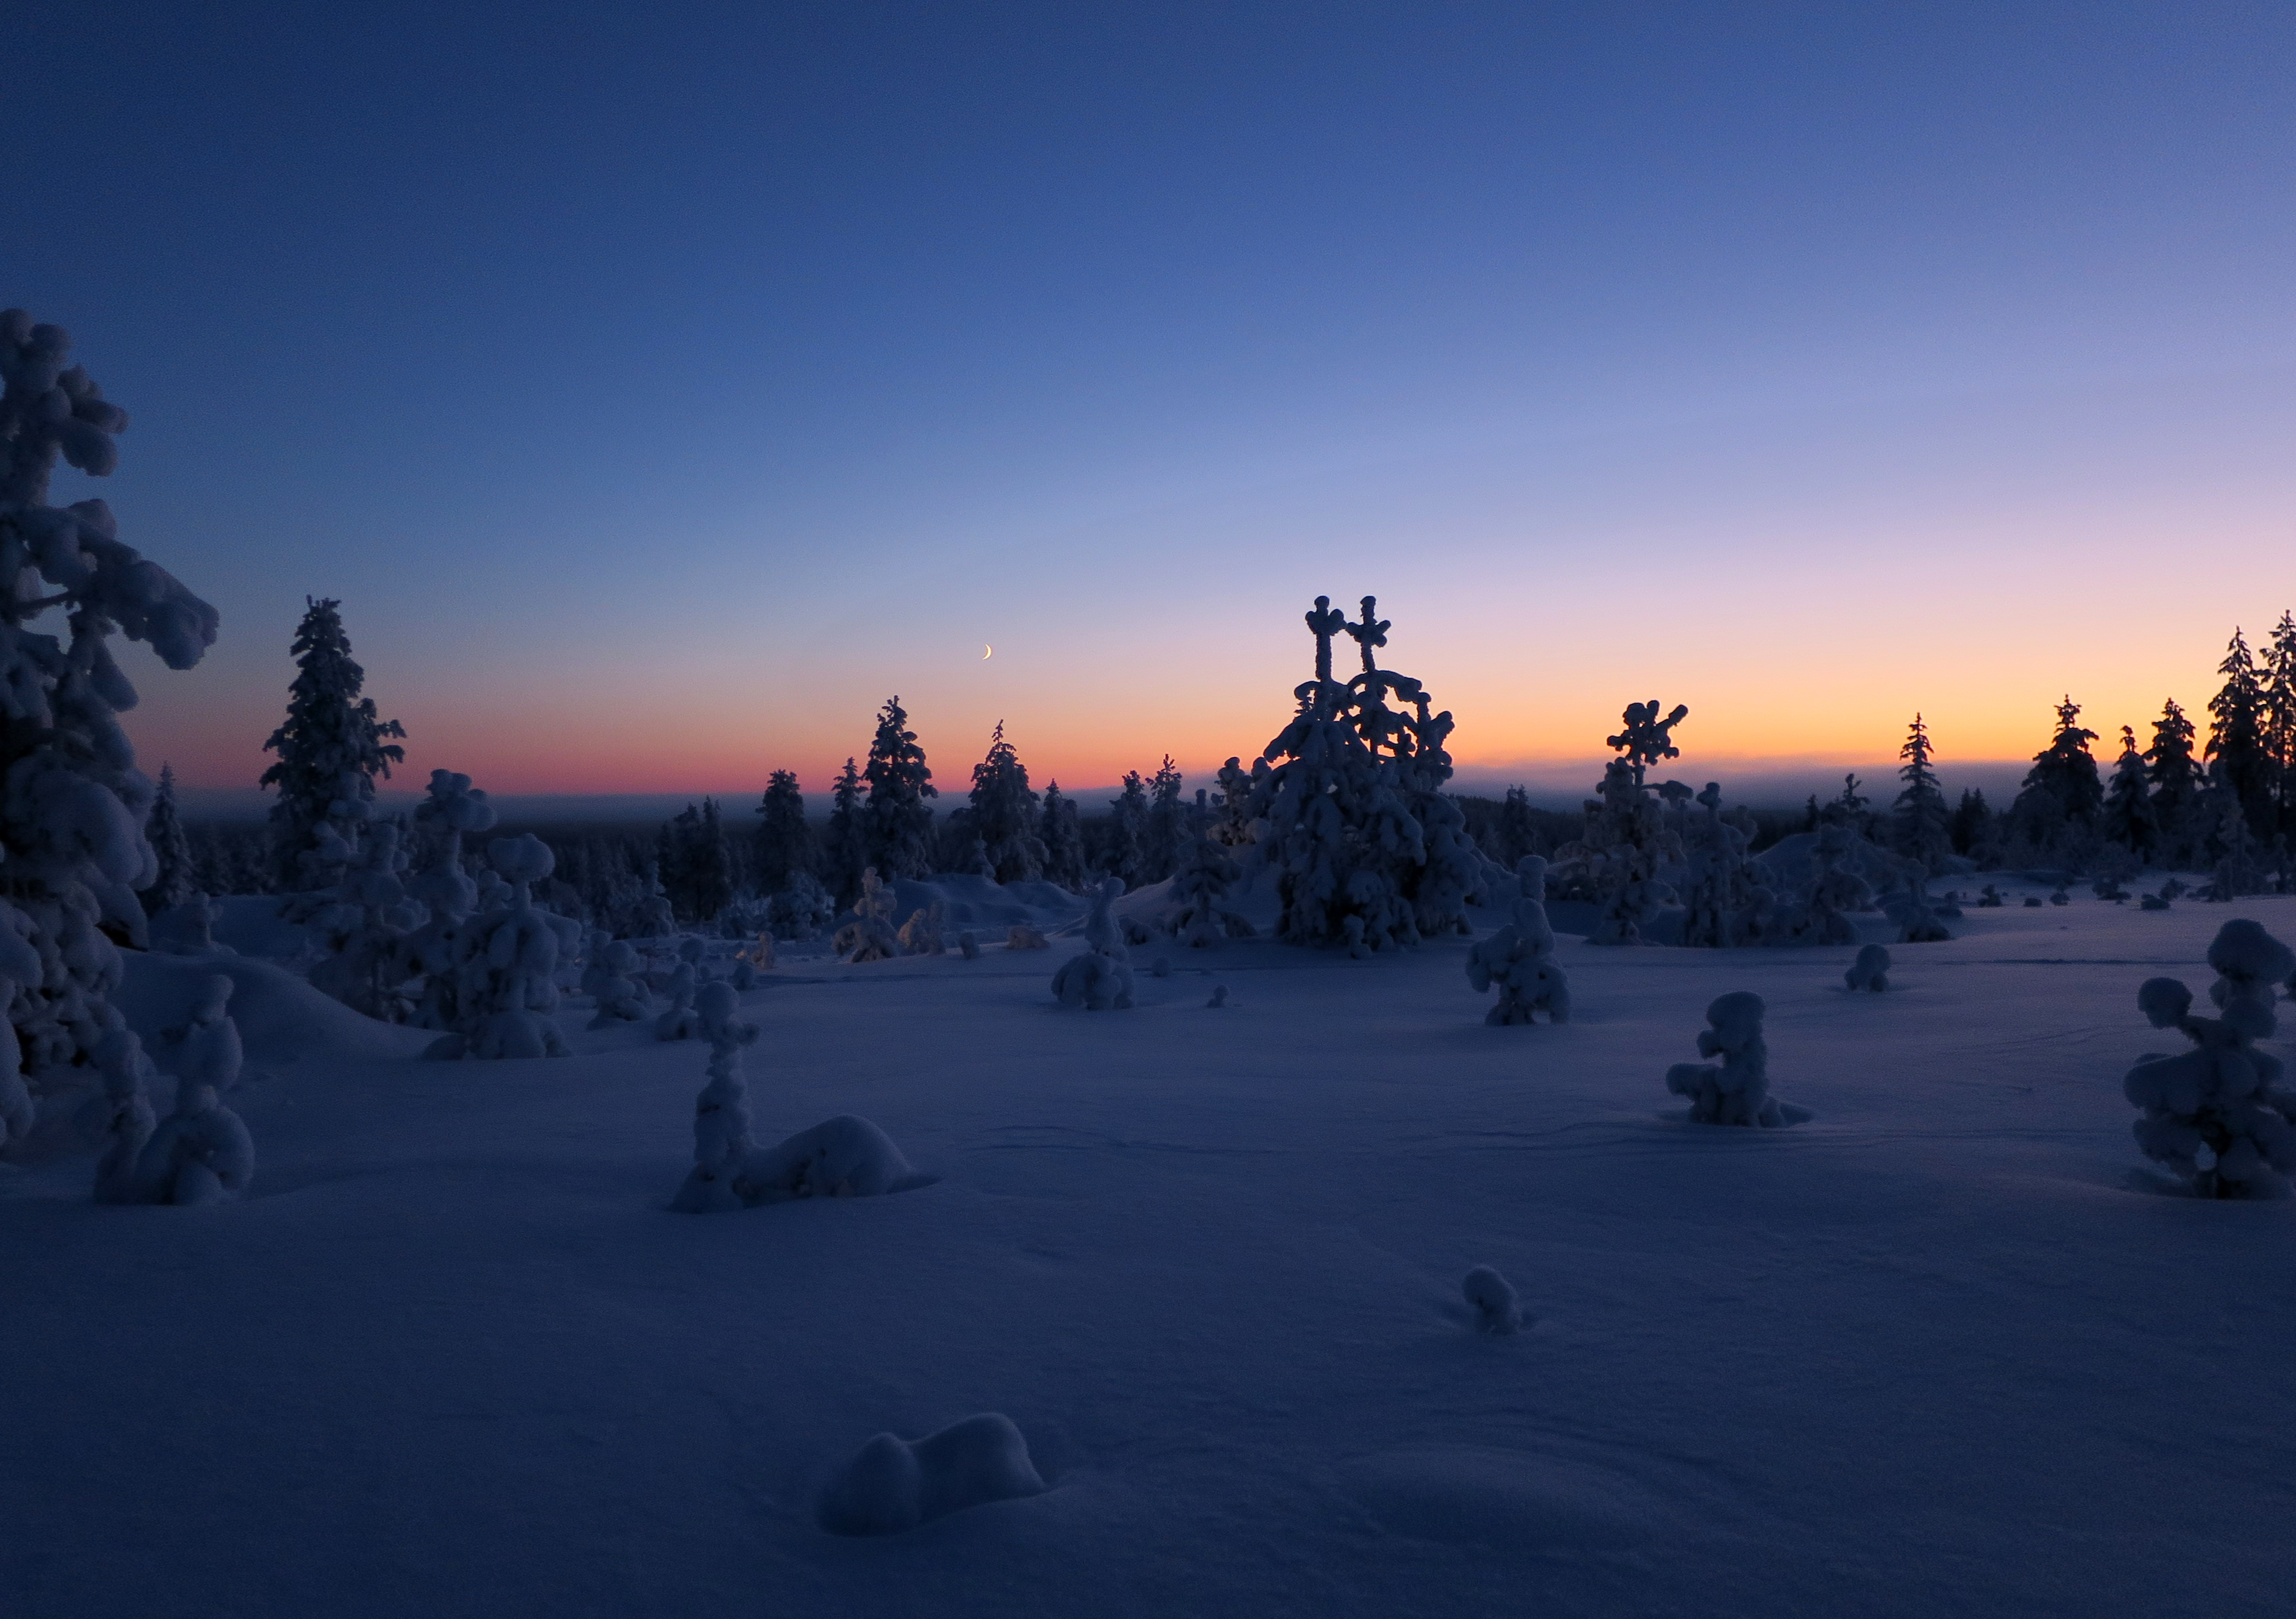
660	388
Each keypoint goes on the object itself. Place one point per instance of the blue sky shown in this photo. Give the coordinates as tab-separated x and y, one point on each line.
660	388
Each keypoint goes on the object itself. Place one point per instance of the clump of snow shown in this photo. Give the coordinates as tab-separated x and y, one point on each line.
841	1157
682	1021
1870	970
1488	1294
967	946
921	934
128	1118
1737	1090
1218	998
1519	959
721	1113
2152	902
202	1152
2217	1115
895	1484
1021	936
1098	977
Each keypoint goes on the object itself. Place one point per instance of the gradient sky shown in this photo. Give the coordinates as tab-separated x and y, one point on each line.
660	387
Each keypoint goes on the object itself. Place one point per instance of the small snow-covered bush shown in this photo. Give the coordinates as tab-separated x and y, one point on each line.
870	935
128	1118
1206	872
1021	936
617	992
1496	1310
1097	977
2218	1115
1737	1090
201	1153
895	1484
922	934
1870	970
1910	909
721	1113
1519	959
1835	889
683	1020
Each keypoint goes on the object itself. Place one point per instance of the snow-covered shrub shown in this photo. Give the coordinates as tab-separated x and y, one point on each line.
1870	970
507	986
1990	898
127	1119
923	933
1021	936
1519	959
1495	1307
1218	998
1097	977
1917	919
869	936
1737	1090
201	1153
721	1113
616	991
801	909
2218	1115
1834	888
439	950
1205	873
682	1020
2152	902
72	803
330	748
895	1484
967	946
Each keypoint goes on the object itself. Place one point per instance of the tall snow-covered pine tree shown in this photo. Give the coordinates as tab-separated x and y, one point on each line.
330	748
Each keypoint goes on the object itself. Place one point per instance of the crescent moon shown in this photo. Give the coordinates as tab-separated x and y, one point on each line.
986	649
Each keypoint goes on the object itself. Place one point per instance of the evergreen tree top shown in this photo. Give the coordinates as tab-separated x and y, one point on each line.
897	764
2071	740
1645	739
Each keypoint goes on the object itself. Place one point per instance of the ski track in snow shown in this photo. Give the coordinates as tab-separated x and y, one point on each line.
1948	1347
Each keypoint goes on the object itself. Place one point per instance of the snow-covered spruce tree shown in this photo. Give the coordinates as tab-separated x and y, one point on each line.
786	847
2055	811
1626	843
1835	890
1206	872
172	879
2179	785
117	1053
330	748
1912	909
1004	814
1724	901
845	849
202	1152
1453	870
2128	819
1098	977
1737	1090
364	930
1518	957
2235	752
508	989
1166	829
2218	1115
1062	839
896	827
696	867
1919	826
721	1113
2279	717
1234	828
2236	864
1127	854
437	952
1338	831
1517	836
72	803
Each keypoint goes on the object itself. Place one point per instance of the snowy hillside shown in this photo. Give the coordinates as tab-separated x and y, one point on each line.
1950	1346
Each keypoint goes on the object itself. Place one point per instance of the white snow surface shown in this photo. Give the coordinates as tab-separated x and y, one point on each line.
1954	1346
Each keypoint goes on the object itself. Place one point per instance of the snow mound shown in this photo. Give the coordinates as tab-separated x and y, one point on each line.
841	1157
895	1483
982	902
1786	863
251	924
1870	970
281	1018
1492	1300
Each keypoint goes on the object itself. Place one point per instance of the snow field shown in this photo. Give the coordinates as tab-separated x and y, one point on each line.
1950	1346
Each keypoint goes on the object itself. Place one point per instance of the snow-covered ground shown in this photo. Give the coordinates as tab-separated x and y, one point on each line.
1950	1347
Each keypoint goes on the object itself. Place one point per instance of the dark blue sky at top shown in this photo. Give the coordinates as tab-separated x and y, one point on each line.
583	315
